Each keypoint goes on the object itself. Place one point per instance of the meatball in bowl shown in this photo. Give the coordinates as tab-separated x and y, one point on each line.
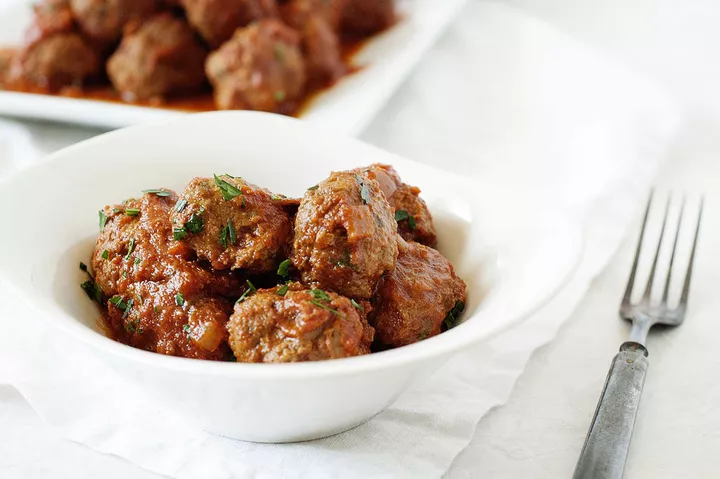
254	264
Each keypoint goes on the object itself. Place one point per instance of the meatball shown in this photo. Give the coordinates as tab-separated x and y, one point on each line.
368	16
159	317
217	20
162	57
296	13
50	17
233	224
412	302
260	68
103	20
56	61
290	323
414	220
345	235
154	287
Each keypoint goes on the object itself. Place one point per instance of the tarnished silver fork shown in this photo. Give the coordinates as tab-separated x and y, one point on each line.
608	440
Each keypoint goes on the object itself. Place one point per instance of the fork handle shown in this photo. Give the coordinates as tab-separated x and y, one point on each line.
608	440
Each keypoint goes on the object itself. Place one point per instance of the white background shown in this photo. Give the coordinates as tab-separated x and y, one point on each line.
540	431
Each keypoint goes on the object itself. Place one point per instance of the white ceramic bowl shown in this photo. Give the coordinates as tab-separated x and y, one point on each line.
512	263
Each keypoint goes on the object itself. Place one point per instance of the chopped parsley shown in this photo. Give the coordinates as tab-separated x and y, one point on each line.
103	219
320	295
313	188
105	254
282	290
277	197
137	261
180	205
119	303
180	299
132	211
401	215
158	192
124	274
227	235
194	225
364	190
133	327
92	290
227	190
327	308
357	306
187	328
131	247
454	314
179	234
83	267
284	269
251	288
279	95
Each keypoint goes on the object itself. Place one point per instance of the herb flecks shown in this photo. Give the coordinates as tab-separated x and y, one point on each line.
103	219
227	235
314	187
105	254
451	320
180	299
92	289
250	289
187	329
327	308
180	205
83	267
179	234
401	215
195	224
321	295
282	290
227	190
158	192
122	305
284	269
357	306
364	190
280	96
132	211
131	247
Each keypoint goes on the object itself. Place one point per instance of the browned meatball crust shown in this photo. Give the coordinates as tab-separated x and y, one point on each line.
345	235
368	16
260	68
137	262
56	61
162	57
217	20
104	20
318	23
290	323
233	223
50	17
414	220
412	302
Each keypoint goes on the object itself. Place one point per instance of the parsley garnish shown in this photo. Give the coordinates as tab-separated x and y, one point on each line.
357	306
284	268
251	288
327	308
227	235
83	267
364	191
92	290
179	234
227	190
179	299
194	224
103	219
131	247
137	261
132	211
105	254
186	328
313	188
282	290
180	205
161	193
320	294
277	197
125	307
404	215
454	314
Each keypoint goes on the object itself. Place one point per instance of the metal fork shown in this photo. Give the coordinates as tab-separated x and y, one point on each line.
608	440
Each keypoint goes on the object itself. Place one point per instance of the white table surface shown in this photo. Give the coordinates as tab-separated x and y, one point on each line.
539	432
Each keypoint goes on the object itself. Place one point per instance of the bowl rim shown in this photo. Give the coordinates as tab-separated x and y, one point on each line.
445	344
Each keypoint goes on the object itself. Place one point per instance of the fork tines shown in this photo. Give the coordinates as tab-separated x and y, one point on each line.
626	302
